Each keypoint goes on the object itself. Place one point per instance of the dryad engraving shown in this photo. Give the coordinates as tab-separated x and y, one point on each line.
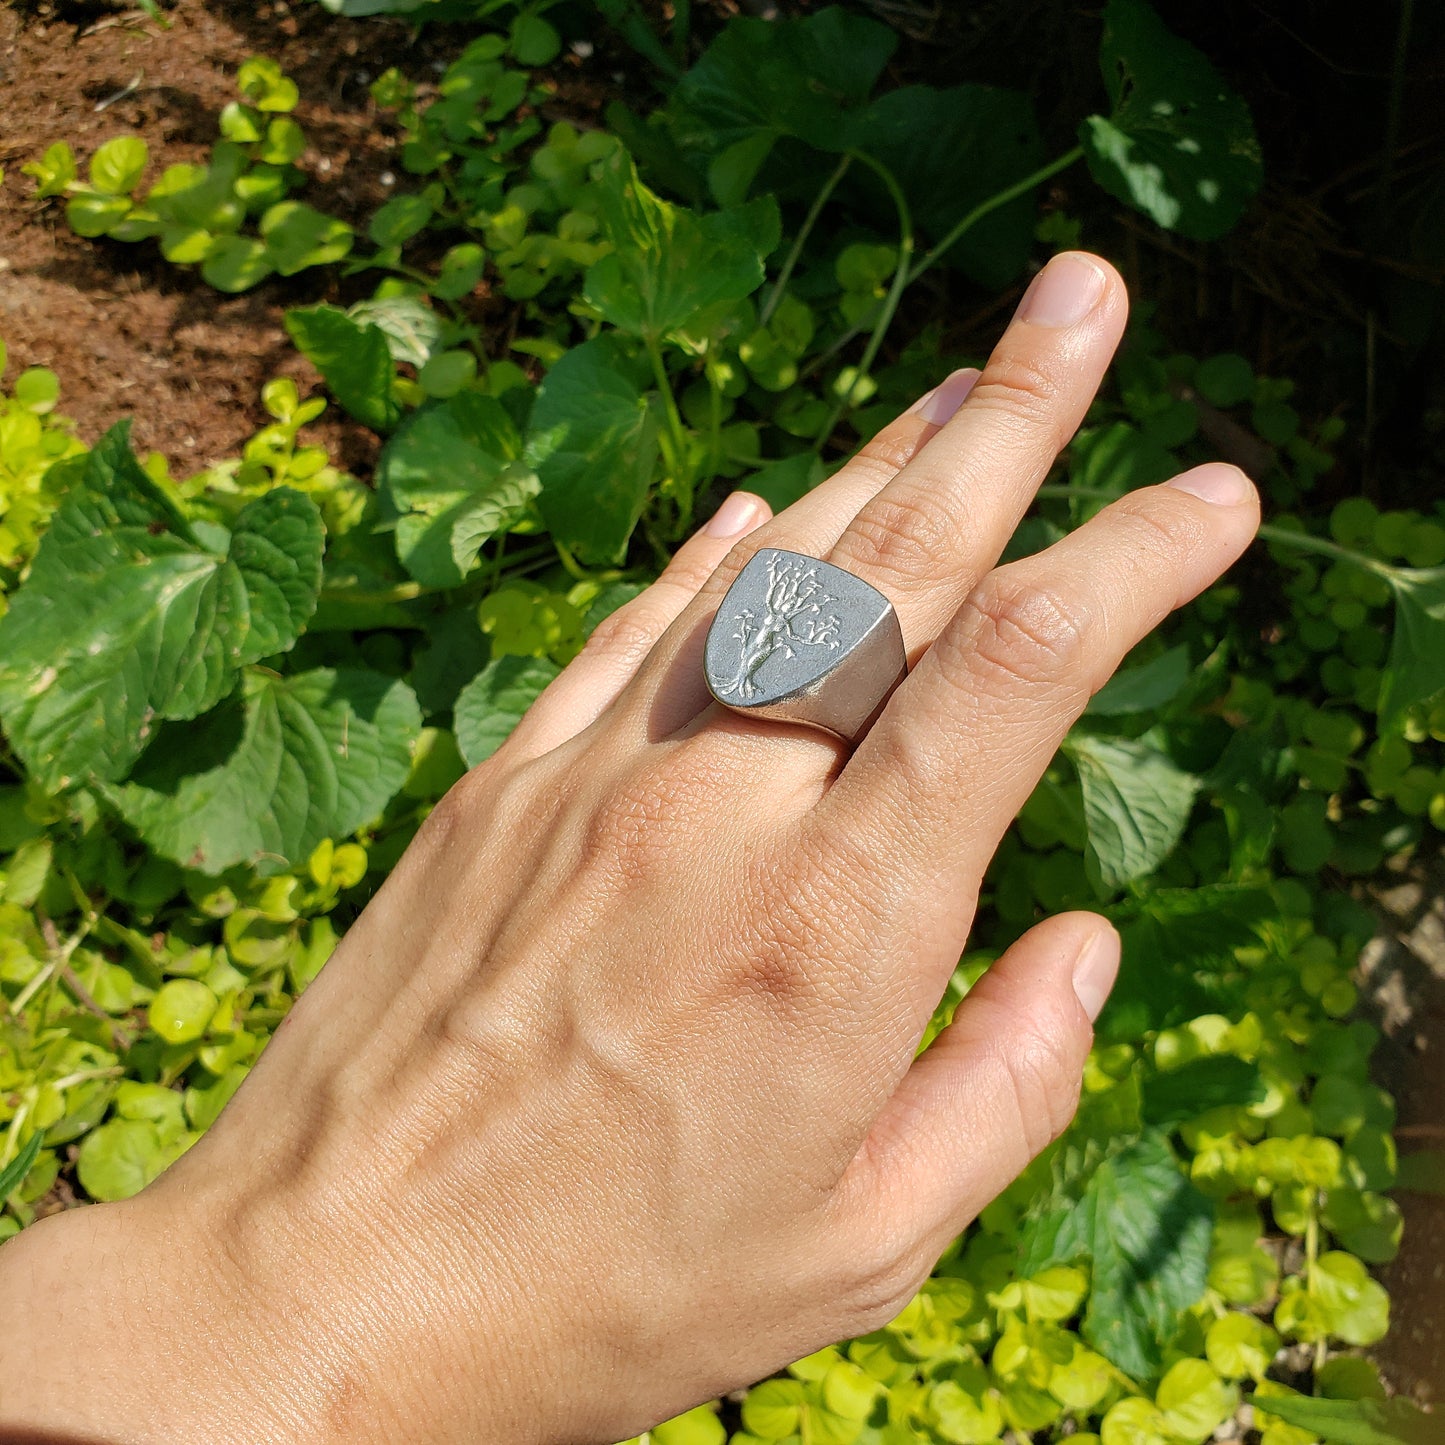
796	616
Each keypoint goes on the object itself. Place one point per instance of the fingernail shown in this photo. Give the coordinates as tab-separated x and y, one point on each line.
1095	970
1063	293
936	406
1215	482
735	516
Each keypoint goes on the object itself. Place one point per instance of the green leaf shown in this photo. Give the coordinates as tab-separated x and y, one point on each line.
286	763
1179	144
1136	803
455	476
593	442
795	77
1145	688
181	1011
1195	1401
262	82
1416	670
669	262
1240	1346
781	483
413	330
54	171
697	1427
236	263
354	358
298	236
127	618
401	218
1353	1422
1145	1232
1200	1085
116	168
1356	1307
952	150
91	215
12	1176
121	1157
492	703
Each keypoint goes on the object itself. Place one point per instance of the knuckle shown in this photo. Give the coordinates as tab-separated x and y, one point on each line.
880	1276
887	453
1161	522
1017	385
902	533
628	634
1044	1076
1026	631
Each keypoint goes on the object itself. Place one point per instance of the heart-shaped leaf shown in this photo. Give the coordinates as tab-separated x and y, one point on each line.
127	618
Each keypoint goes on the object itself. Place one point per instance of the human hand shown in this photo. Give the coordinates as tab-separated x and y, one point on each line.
608	1103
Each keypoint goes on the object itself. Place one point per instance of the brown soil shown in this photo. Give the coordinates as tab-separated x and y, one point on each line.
1404	975
129	334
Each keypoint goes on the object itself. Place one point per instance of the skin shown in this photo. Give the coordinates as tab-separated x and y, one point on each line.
608	1103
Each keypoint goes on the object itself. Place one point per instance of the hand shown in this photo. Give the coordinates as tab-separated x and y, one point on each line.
608	1102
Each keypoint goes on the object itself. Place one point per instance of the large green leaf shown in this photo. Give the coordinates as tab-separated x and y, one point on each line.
669	262
493	702
1145	1232
1416	669
761	79
355	359
455	475
128	618
1136	803
593	442
281	766
1179	144
1353	1422
951	150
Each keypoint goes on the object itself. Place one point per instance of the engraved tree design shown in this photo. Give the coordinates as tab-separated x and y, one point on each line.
794	618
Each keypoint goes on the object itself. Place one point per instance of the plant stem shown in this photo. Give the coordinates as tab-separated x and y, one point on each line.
677	431
804	231
890	302
1285	537
933	256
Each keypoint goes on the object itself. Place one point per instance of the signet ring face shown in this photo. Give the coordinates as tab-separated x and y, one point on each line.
803	641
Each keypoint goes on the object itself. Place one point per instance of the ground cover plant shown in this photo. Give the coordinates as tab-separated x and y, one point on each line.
709	293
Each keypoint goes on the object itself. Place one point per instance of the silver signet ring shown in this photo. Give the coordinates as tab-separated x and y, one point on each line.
803	641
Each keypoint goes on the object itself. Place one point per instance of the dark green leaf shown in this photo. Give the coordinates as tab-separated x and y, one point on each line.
1143	688
795	77
1354	1422
1136	803
780	484
1179	144
281	766
1416	670
236	263
951	150
492	704
455	476
126	618
1145	1232
668	262
354	358
413	330
1199	1085
593	442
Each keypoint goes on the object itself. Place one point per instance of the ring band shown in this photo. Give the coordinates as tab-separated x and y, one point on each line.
800	640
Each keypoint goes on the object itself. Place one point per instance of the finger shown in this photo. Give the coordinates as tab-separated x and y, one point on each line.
963	741
926	538
812	524
588	685
997	1086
